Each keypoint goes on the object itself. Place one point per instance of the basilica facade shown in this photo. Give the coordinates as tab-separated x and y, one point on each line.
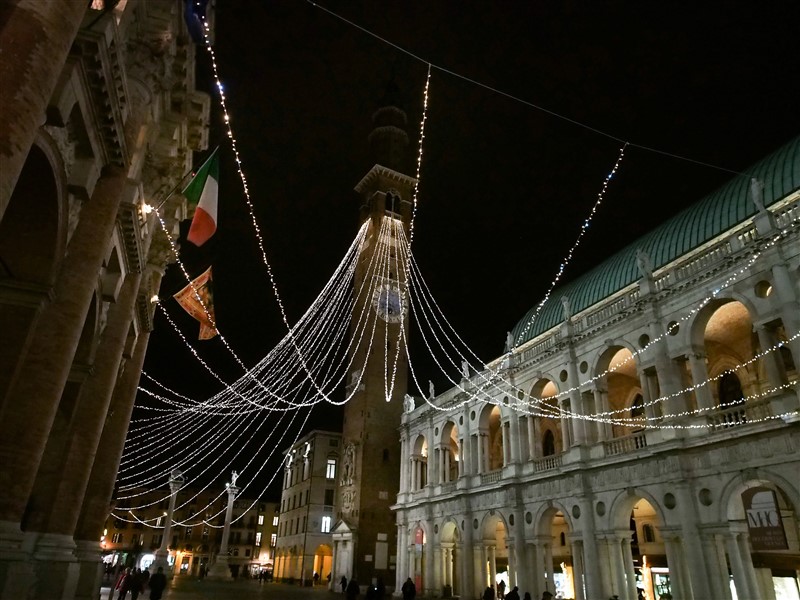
640	435
98	123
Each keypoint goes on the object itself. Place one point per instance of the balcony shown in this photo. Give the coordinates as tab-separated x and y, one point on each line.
625	444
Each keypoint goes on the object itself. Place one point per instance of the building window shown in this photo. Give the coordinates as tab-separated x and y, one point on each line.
247	551
274	520
116	538
273	539
188	533
548	444
330	471
260	519
329	497
326	524
648	533
258	538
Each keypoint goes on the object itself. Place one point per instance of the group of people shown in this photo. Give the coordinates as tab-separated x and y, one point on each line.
351	589
489	593
137	581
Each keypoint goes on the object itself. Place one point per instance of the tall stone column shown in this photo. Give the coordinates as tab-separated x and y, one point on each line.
429	577
67	462
467	560
548	565
591	559
402	560
404	463
30	407
162	554
716	567
34	42
515	440
604	431
697	364
577	568
579	424
491	551
522	577
566	436
743	591
630	575
220	569
532	441
617	561
677	571
536	559
747	560
96	500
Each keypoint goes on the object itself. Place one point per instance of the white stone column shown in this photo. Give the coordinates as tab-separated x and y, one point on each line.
617	563
446	451
176	480
504	435
577	568
604	431
532	442
467	561
697	364
437	575
428	556
404	464
462	457
775	372
522	576
491	551
220	570
716	567
536	551
566	437
402	559
677	573
548	565
743	591
579	425
515	441
591	559
743	539
630	575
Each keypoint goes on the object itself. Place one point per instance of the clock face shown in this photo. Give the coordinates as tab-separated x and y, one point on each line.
389	303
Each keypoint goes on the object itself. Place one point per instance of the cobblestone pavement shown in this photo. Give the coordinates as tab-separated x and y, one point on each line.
185	588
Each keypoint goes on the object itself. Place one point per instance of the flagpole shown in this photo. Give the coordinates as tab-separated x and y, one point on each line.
175	189
181	180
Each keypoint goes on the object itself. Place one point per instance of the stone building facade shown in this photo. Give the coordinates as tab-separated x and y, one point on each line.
307	509
695	496
133	539
99	118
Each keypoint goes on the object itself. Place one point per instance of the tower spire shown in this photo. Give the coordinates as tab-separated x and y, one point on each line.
388	138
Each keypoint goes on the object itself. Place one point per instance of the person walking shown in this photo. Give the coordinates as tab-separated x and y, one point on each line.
158	581
488	593
527	596
343	583
123	583
409	590
513	594
352	589
501	589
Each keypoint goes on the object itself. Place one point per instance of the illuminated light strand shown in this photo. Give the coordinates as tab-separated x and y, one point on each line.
584	226
598	376
521	100
419	153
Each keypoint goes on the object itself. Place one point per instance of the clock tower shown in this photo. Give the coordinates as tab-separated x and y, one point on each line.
365	535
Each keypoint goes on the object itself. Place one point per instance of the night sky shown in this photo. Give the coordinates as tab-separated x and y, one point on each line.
504	186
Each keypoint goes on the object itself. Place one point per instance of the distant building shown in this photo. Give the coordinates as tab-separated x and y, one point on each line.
307	509
133	538
525	472
99	122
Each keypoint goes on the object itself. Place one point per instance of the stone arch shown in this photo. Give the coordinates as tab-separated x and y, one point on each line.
616	370
543	517
547	417
450	441
622	505
418	463
490	423
33	239
733	489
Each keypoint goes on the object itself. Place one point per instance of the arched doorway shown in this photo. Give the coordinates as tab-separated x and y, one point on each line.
490	438
419	464
555	568
323	556
495	565
450	460
451	553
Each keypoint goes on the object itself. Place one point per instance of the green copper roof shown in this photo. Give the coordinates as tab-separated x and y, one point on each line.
714	214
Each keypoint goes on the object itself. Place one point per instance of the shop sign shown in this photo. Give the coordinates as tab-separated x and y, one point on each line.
764	519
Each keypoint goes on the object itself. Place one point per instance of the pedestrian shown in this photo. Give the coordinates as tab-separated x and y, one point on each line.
343	583
501	589
513	594
316	578
546	595
137	584
158	581
381	589
372	592
488	593
123	584
352	589
527	596
409	590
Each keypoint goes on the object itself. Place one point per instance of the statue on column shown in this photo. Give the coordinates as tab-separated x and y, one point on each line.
431	393
234	477
644	263
408	403
509	341
465	369
567	306
757	193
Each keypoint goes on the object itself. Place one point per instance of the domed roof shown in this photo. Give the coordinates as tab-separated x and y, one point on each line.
701	222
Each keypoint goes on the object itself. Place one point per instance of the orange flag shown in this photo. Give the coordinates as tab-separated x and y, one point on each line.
202	311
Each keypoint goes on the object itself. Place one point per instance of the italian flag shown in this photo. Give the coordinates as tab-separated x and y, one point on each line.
202	192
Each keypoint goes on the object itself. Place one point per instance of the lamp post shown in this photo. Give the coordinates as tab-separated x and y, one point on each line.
220	569
162	554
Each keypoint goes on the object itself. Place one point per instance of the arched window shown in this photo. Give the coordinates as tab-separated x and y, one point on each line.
637	407
548	443
648	533
730	390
